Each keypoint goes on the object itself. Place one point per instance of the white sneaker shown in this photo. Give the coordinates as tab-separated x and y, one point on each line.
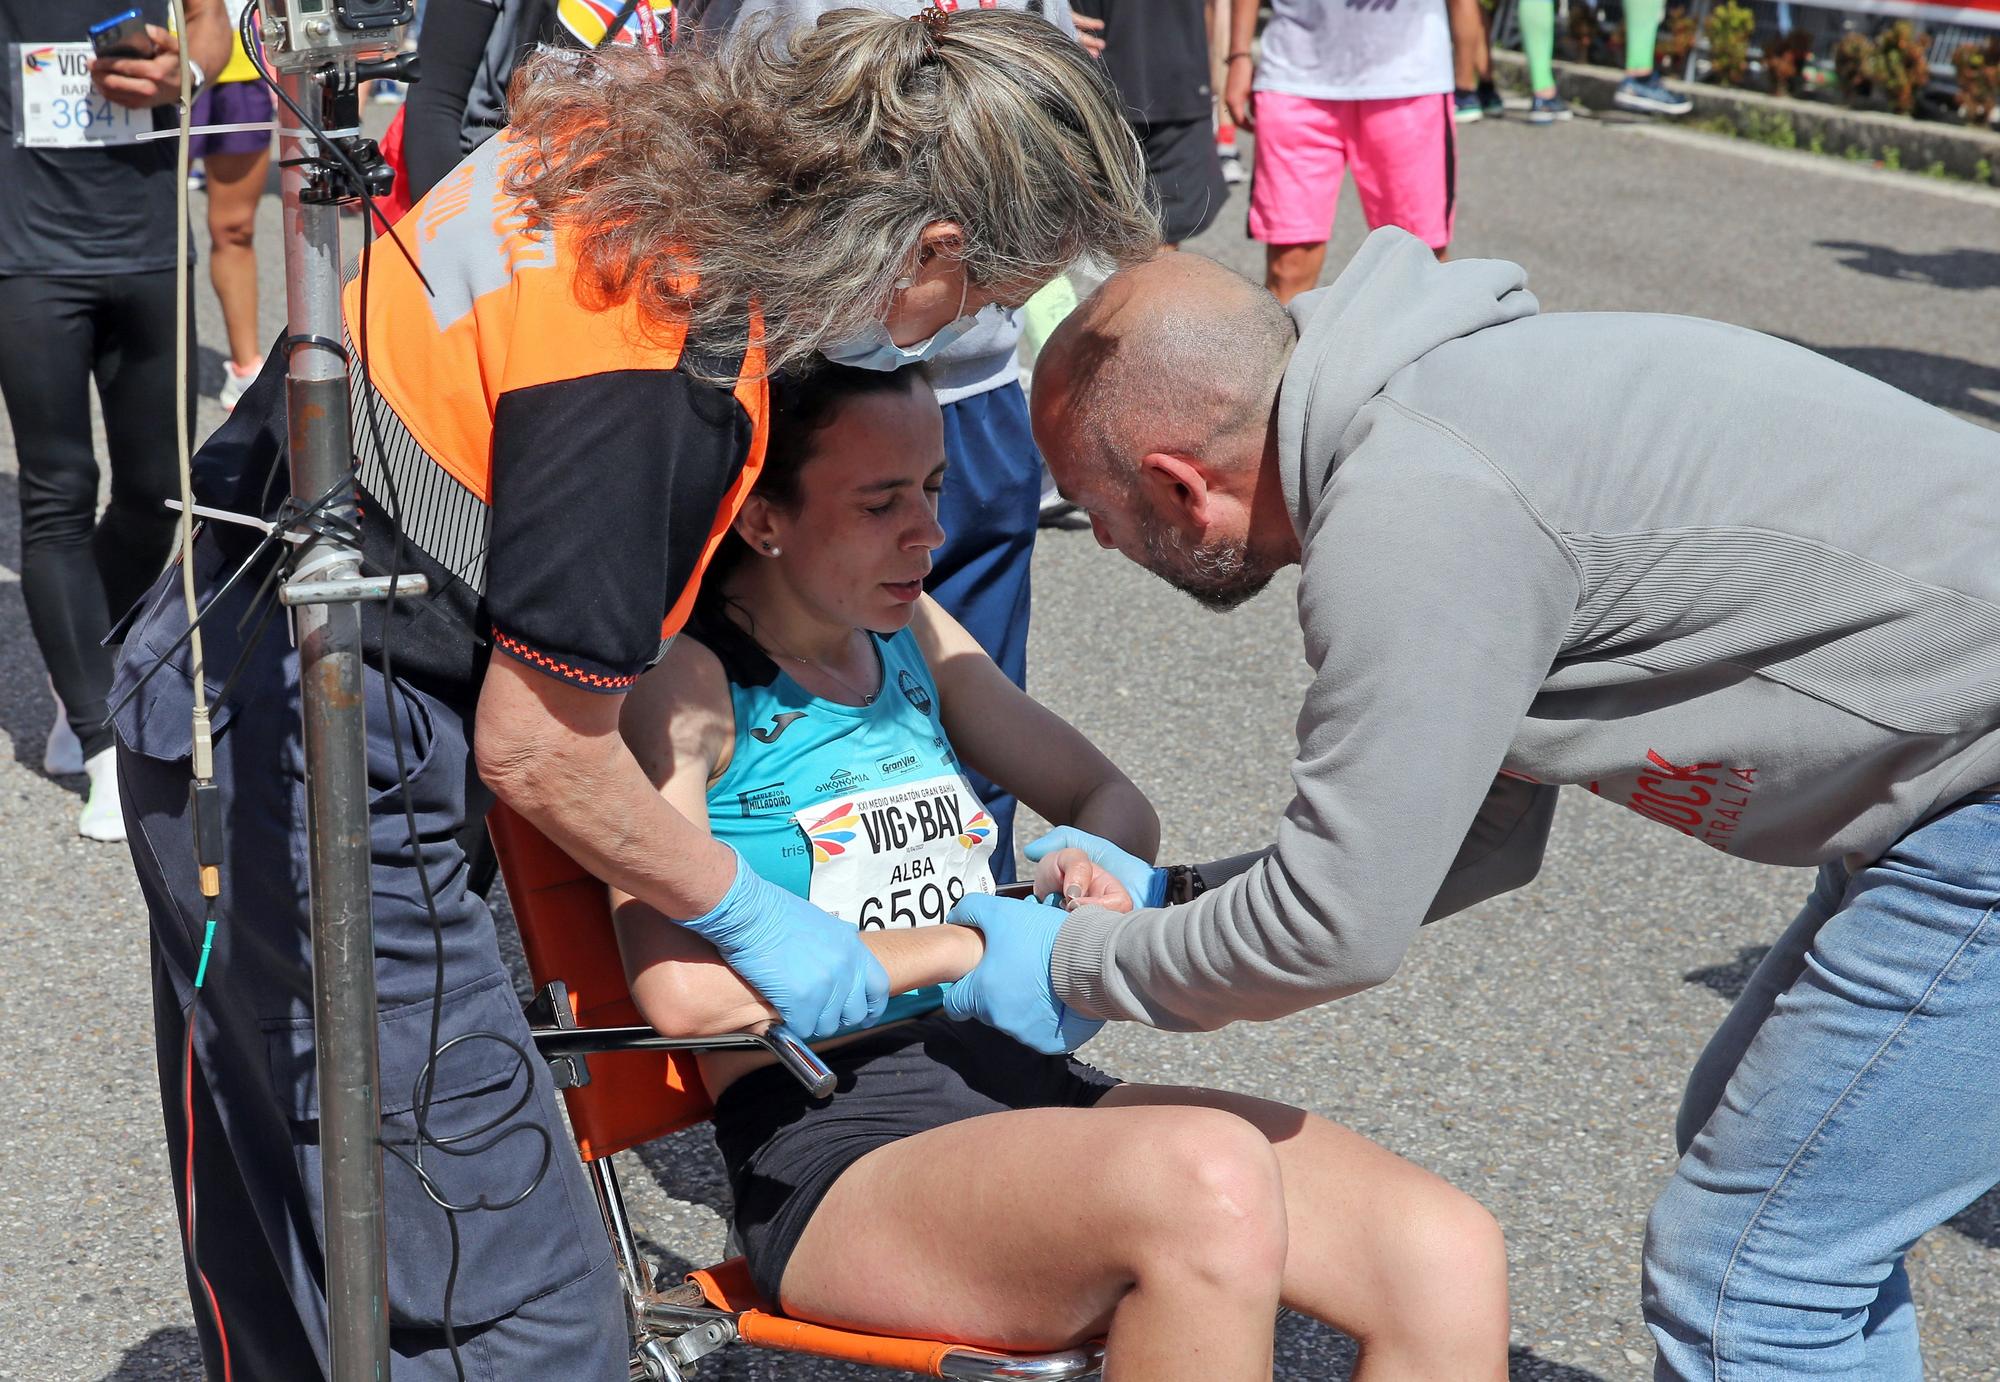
235	382
63	754
102	818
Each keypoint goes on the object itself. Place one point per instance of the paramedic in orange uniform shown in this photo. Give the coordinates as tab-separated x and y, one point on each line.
556	432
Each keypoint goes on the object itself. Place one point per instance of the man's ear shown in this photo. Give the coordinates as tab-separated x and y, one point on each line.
1177	484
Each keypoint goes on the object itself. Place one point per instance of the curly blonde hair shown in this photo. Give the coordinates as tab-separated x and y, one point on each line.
797	170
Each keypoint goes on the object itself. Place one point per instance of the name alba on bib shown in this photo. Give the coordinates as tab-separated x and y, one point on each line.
55	106
898	857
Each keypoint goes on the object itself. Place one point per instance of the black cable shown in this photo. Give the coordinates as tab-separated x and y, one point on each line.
425	1088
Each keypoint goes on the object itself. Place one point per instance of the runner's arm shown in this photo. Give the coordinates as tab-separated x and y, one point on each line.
1003	733
679	725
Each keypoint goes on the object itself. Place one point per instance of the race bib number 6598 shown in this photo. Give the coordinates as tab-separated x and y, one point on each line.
898	857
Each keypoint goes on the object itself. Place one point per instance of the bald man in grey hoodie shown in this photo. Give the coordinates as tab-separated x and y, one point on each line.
1771	622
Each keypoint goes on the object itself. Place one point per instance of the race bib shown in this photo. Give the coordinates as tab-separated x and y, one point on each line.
55	107
898	857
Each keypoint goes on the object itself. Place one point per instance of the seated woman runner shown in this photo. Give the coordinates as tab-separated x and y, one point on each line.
817	715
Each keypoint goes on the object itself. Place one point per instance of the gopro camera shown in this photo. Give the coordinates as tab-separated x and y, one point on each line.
310	34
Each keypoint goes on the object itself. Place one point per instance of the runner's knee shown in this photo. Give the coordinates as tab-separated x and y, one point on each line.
233	231
1213	1203
1450	1260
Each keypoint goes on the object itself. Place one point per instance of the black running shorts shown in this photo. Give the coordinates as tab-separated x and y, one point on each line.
784	1150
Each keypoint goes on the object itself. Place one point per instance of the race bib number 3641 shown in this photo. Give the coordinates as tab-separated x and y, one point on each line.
55	107
899	856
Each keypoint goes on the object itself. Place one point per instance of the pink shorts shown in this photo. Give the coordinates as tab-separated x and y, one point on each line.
1403	152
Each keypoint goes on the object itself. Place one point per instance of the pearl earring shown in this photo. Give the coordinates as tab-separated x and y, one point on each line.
769	548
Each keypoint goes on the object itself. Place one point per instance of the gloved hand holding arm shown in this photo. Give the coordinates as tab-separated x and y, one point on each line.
806	963
1009	989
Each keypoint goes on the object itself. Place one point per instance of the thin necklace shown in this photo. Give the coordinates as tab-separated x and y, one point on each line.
867	697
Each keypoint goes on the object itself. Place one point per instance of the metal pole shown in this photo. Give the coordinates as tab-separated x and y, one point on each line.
328	636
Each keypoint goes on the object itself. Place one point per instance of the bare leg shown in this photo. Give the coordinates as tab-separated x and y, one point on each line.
235	182
1293	269
1471	50
1040	1228
1120	1220
1413	1268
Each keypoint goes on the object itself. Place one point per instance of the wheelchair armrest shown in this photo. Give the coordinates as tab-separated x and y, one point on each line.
564	1044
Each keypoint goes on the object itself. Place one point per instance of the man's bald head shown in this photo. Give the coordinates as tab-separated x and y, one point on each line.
1154	405
1176	355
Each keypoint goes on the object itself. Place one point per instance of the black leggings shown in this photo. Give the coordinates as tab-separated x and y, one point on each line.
79	572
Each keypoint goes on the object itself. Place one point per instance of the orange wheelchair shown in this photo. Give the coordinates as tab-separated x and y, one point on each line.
625	1085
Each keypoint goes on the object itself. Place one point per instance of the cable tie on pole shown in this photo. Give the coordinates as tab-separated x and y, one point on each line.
292	340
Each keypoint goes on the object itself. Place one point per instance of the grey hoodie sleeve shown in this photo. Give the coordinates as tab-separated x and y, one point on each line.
1433	601
1502	851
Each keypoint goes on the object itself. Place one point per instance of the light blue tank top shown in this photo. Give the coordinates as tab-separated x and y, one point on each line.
862	809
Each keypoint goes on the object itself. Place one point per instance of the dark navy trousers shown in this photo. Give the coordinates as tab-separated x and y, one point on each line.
992	496
536	1293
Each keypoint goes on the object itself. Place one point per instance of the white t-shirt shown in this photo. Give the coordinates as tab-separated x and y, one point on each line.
1356	50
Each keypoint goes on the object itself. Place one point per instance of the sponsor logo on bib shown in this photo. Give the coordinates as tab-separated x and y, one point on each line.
898	855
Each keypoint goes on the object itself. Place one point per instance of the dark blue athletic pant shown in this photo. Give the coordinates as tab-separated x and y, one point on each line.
536	1295
992	494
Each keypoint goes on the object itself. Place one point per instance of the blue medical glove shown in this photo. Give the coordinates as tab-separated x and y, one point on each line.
808	964
1010	988
1146	884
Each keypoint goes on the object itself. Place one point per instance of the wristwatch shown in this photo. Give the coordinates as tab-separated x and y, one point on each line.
1184	884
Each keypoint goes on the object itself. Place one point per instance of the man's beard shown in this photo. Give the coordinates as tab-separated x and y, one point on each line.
1217	574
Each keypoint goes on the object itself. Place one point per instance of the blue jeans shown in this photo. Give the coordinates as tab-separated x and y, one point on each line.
1849	1104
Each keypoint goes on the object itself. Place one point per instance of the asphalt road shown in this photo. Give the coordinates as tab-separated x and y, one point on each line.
1532	1051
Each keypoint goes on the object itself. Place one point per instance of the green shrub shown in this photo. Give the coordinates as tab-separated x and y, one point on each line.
1787	61
1901	68
1728	31
1892	158
1977	66
1675	41
1776	129
1853	65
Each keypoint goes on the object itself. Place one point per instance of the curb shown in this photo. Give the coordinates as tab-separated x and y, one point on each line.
1915	145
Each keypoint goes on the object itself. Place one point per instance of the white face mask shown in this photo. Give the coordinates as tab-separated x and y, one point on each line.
874	348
